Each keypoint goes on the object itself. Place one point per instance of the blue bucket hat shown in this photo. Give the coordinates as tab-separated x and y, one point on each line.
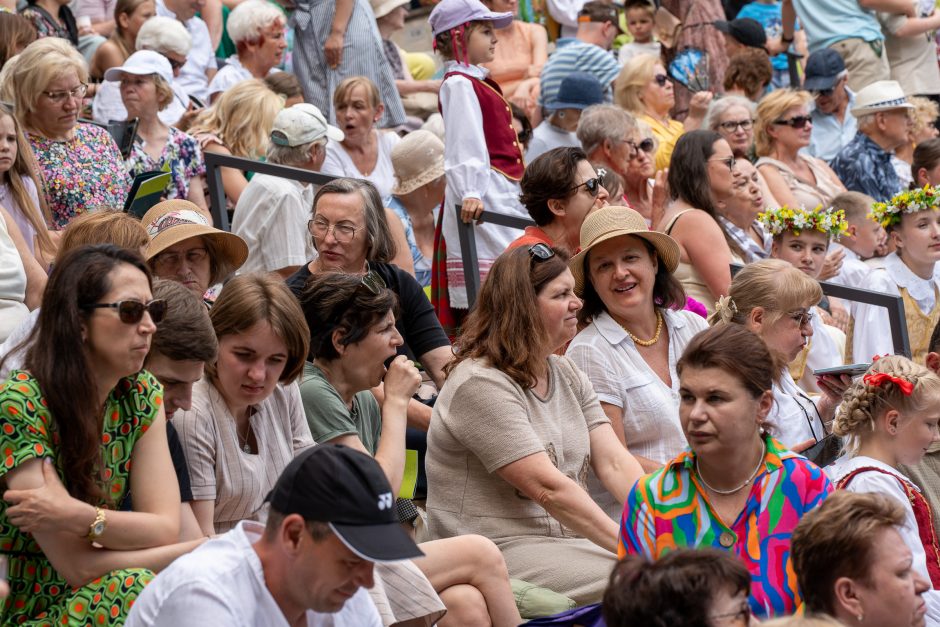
578	91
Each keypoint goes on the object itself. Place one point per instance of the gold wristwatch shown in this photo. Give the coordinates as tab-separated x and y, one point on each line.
98	525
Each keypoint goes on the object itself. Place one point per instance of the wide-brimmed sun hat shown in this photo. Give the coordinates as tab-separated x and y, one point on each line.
172	221
609	222
418	159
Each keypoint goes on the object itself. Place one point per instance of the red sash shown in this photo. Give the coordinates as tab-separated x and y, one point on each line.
928	536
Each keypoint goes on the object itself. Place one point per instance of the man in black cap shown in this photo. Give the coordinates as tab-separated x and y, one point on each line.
828	80
332	516
742	33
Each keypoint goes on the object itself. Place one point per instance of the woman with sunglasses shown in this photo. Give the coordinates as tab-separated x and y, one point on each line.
634	330
559	189
83	411
782	131
517	430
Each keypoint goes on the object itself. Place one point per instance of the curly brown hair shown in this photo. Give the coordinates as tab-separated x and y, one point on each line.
749	70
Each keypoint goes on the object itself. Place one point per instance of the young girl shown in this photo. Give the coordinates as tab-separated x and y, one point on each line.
801	238
482	155
19	185
889	417
912	220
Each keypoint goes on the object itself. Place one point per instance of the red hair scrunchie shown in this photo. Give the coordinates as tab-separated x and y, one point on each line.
879	378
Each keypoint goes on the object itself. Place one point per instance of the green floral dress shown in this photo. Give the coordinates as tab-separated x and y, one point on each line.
38	595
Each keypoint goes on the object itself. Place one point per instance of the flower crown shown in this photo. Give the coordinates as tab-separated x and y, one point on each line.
889	213
830	222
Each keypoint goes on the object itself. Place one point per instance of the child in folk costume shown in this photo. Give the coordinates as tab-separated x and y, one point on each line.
912	220
889	417
483	159
801	237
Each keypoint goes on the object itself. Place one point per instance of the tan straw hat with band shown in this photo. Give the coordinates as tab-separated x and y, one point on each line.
610	222
418	159
172	221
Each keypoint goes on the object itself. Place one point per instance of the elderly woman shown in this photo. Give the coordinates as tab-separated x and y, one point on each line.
701	176
644	89
129	16
366	152
559	190
634	332
80	165
517	428
747	239
146	78
256	28
418	161
852	564
742	491
185	248
782	132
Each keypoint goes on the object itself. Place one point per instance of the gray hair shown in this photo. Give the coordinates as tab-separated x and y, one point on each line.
292	155
164	34
719	107
601	122
381	246
248	19
865	121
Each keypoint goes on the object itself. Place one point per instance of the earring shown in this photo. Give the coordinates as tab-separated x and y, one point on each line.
860	617
892	431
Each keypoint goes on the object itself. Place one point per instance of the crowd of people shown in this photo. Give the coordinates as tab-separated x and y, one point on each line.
647	409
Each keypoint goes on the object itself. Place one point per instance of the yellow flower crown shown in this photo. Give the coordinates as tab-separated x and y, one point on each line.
889	213
830	222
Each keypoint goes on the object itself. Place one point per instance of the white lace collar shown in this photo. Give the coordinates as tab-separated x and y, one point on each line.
921	290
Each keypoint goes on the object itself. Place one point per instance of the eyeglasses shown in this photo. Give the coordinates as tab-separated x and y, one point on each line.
797	121
646	146
169	261
342	233
661	79
741	616
132	311
174	64
730	161
733	125
802	318
372	282
593	186
541	252
58	97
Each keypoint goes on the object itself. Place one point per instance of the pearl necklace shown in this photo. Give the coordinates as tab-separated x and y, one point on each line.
652	340
740	487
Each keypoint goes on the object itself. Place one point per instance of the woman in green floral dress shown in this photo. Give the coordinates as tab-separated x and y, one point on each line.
73	423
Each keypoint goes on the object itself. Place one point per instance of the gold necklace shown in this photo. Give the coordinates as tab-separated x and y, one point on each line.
652	340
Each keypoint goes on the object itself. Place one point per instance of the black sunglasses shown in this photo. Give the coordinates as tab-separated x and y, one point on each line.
797	121
661	79
132	311
541	252
591	185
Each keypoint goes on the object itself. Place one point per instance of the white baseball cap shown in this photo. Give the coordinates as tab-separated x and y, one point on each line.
143	63
301	124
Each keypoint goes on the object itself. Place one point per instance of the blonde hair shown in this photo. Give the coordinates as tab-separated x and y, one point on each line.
632	79
346	87
772	284
42	62
774	105
864	401
925	112
242	118
164	92
856	205
103	226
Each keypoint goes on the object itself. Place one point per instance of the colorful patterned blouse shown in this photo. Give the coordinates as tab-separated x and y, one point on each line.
668	509
181	156
81	173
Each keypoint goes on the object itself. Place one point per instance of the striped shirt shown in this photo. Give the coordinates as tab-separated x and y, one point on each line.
573	55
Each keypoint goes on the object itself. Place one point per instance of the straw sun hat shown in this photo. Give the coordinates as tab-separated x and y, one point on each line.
610	222
418	159
172	221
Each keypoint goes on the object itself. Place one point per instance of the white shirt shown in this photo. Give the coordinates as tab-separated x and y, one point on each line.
231	74
221	584
201	56
108	105
824	351
853	273
271	216
633	49
794	415
16	336
547	136
12	284
339	163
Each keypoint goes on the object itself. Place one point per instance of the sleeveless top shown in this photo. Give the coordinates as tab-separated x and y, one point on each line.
922	514
692	282
920	325
806	194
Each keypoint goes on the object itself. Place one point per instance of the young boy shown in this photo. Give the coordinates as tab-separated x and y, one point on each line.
640	24
860	241
801	237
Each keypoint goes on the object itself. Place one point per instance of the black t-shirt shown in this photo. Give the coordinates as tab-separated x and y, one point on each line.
179	465
417	322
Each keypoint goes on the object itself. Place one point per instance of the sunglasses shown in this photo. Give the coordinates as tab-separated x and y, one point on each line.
661	79
797	121
132	311
541	252
591	185
372	282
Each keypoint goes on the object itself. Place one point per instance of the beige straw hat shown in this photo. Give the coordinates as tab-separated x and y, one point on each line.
172	221
418	159
610	222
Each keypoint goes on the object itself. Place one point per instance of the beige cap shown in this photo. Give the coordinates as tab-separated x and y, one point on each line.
381	8
418	159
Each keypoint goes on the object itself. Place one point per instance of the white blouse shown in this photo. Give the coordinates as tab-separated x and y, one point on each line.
794	415
339	163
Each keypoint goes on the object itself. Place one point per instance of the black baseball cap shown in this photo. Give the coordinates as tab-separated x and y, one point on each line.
747	31
338	485
822	70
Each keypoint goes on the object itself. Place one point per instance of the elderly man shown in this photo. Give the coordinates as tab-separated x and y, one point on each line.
332	517
272	212
884	122
200	65
828	80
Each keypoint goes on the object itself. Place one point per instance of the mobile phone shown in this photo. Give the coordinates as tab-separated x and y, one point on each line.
825	451
853	370
199	104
